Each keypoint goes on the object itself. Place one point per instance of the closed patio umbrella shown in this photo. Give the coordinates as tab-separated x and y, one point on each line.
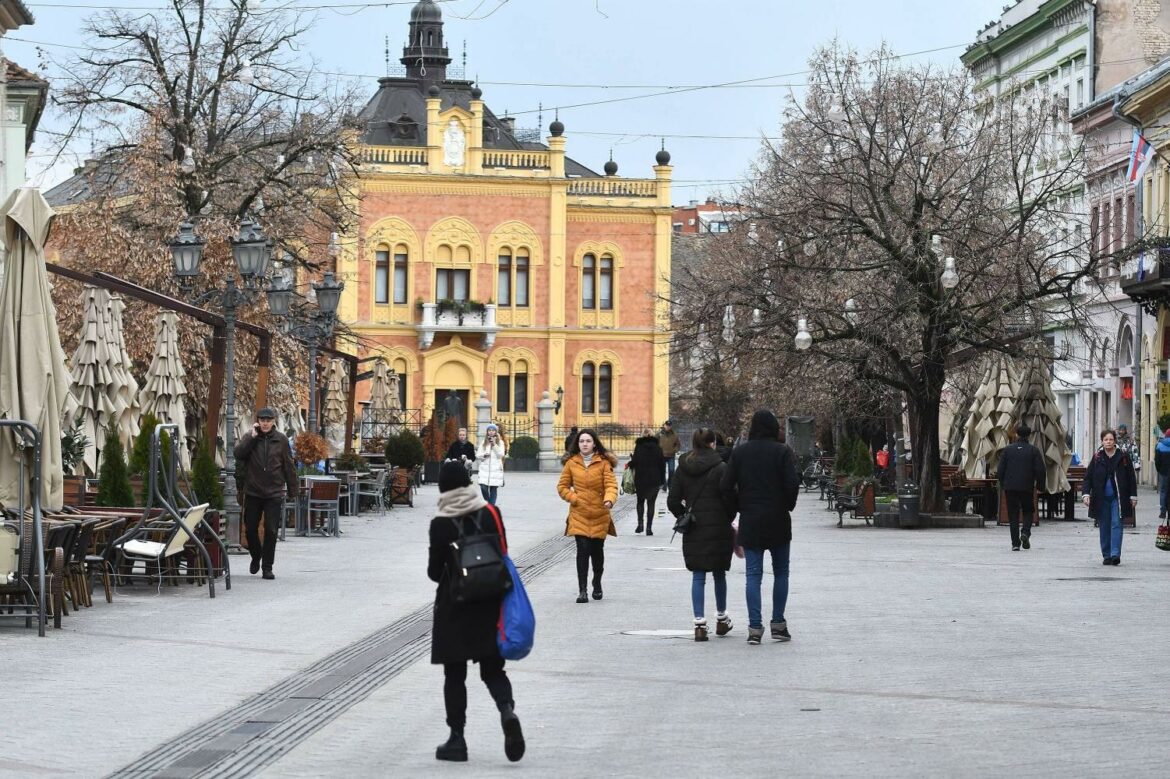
124	389
336	399
164	391
1036	407
34	381
991	416
92	374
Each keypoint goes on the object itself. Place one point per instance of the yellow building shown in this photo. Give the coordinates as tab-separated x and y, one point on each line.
487	260
1145	101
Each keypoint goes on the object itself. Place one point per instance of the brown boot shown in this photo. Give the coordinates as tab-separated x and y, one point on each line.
722	625
700	630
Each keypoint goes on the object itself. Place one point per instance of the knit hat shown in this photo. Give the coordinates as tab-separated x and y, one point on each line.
492	426
452	476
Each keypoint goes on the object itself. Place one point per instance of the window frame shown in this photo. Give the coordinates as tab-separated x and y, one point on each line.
447	275
504	285
382	277
588	396
400	261
589	264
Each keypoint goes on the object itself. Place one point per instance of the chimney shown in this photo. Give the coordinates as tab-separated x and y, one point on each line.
693	204
509	124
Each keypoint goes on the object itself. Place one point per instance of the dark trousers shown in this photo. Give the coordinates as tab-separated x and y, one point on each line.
646	498
1019	501
590	549
270	508
455	688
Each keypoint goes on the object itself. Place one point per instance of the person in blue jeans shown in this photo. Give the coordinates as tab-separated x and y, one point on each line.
1110	492
1162	466
762	482
708	543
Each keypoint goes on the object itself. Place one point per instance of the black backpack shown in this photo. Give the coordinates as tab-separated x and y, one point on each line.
476	566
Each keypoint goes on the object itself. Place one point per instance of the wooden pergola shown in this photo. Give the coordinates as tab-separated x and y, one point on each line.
218	344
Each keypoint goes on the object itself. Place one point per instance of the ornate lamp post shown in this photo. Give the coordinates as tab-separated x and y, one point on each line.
313	328
251	250
559	400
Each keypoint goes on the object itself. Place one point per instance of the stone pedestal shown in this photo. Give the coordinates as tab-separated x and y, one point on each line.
483	415
549	461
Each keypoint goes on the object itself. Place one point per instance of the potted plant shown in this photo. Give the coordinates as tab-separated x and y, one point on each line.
73	445
434	448
114	480
205	477
351	461
405	452
523	454
310	449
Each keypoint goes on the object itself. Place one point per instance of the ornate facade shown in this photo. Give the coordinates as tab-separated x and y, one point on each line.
484	260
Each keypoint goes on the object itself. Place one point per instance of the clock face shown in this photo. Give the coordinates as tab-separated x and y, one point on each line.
453	144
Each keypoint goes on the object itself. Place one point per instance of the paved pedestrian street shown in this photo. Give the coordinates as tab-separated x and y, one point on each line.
914	653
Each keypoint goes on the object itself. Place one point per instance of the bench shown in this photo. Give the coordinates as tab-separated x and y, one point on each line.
859	503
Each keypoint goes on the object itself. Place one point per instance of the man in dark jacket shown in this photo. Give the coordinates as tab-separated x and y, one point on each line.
669	443
648	464
1162	466
1021	470
761	480
270	474
461	450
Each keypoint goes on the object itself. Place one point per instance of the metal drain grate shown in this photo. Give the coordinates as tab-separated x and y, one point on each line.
259	731
1092	579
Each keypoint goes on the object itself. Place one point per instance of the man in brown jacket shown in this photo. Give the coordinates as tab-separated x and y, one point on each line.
668	440
268	473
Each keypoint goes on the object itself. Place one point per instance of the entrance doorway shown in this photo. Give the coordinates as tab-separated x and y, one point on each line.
461	408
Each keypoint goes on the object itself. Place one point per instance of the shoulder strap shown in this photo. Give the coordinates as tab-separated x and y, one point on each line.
499	526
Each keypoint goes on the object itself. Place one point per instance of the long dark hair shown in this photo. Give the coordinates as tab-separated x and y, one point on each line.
598	447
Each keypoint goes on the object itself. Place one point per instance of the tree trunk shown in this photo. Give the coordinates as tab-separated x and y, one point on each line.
924	410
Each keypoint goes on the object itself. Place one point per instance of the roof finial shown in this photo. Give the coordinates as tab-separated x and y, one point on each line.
539	114
387	55
465	55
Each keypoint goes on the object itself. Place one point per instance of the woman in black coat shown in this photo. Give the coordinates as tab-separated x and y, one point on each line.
648	464
763	481
1110	492
466	631
707	544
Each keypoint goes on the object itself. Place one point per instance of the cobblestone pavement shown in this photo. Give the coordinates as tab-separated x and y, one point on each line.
924	653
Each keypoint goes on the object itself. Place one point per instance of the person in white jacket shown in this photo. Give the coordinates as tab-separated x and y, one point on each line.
490	457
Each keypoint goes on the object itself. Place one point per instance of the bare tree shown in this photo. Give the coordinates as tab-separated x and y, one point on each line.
877	160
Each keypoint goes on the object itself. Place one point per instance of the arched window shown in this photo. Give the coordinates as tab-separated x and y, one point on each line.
606	297
400	368
596	388
382	276
589	281
504	286
588	388
522	263
512	387
605	389
401	259
453	283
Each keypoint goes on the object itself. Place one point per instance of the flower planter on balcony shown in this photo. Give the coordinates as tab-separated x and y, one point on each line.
464	317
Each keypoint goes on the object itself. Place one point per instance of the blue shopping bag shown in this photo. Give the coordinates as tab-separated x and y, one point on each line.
517	628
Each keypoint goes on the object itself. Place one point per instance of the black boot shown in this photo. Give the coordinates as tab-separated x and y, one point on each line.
582	596
638	529
596	588
650	526
513	736
455	750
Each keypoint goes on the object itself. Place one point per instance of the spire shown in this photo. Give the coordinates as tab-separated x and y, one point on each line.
425	56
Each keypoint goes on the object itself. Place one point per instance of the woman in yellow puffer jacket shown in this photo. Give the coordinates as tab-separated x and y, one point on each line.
589	487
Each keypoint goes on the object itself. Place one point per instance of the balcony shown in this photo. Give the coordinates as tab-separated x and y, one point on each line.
394	155
1152	289
458	320
520	160
613	187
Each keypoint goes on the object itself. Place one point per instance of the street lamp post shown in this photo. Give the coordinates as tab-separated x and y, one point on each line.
251	252
311	328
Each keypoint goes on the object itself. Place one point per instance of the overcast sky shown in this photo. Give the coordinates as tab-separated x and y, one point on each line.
646	44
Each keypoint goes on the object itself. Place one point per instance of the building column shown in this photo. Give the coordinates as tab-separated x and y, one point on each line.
557	266
549	461
483	415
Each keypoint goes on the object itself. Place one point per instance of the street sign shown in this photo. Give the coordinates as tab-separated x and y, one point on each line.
1163	397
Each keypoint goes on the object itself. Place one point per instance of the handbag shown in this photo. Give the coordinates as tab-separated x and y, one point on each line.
516	629
1163	539
628	486
684	523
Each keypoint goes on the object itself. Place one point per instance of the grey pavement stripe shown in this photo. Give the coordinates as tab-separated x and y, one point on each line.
251	736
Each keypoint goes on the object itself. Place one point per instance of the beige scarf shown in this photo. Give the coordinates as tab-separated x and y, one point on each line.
460	501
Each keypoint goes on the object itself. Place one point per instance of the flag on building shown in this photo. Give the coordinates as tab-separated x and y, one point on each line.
1140	157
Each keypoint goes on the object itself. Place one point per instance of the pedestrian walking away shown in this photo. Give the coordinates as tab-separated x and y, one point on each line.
570	438
668	441
1110	492
490	456
648	463
762	482
1162	466
269	473
466	631
708	543
588	485
1021	474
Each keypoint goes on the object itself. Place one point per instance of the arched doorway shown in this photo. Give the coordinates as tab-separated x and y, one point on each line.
452	379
